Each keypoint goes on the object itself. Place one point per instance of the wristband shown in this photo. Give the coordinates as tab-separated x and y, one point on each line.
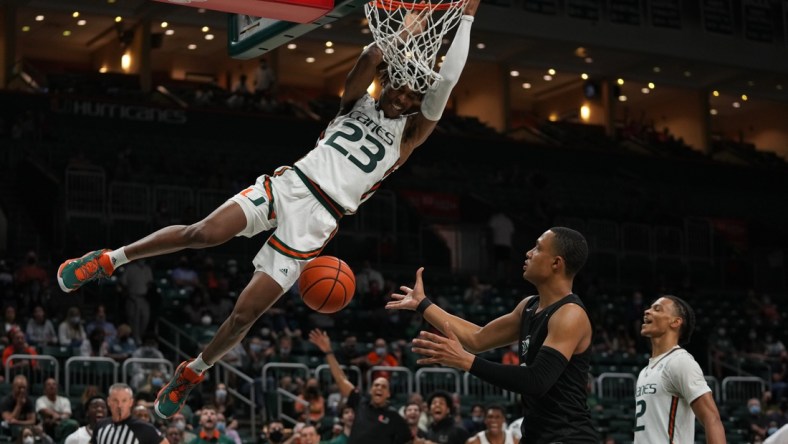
423	305
329	353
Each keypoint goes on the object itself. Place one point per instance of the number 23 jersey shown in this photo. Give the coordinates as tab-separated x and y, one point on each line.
664	392
355	153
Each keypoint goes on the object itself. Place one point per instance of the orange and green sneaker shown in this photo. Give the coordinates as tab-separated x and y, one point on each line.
74	273
172	396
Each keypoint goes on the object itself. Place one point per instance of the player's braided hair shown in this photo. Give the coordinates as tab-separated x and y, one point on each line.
687	315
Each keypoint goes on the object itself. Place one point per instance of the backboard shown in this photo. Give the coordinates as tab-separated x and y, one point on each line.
249	36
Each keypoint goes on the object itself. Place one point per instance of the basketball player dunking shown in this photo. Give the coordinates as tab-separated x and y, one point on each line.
367	141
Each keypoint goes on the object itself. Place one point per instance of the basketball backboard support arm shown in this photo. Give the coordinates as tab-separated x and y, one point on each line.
249	37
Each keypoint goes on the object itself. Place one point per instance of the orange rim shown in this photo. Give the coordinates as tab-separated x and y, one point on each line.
392	5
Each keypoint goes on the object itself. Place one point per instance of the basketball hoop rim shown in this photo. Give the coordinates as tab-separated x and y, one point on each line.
393	5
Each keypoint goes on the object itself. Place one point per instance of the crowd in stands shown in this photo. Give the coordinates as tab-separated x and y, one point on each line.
365	335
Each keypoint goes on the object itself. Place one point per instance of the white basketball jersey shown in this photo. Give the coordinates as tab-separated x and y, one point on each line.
354	154
509	439
664	391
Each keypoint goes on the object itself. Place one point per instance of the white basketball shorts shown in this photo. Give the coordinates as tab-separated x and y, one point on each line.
303	223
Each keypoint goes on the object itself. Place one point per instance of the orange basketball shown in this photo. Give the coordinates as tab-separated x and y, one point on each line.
327	284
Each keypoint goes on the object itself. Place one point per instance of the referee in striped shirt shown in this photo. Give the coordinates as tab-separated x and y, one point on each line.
121	427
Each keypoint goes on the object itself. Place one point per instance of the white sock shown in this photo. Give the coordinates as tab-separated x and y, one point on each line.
118	257
198	365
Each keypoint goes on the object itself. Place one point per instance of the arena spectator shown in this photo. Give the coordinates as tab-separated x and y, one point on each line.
375	421
756	423
137	279
100	321
476	422
96	409
180	422
31	279
16	408
40	331
18	346
348	353
412	416
317	403
308	435
96	345
55	412
123	345
380	356
229	426
70	332
208	432
9	320
442	429
494	429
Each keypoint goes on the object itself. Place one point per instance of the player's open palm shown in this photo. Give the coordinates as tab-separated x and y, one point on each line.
410	297
446	351
320	339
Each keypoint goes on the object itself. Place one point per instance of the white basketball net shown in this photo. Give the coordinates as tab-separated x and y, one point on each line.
410	36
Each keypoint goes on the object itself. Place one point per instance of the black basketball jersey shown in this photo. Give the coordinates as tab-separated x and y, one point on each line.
561	415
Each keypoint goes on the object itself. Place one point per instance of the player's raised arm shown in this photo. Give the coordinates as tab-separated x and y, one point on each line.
360	77
321	340
436	98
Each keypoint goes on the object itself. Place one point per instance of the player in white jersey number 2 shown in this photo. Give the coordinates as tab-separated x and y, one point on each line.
365	142
671	391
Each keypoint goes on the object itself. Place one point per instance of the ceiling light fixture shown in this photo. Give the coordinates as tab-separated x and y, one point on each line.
622	98
713	112
81	22
208	36
164	24
292	46
329	44
66	33
656	69
310	60
551	71
329	50
547	77
39	18
588	60
526	85
715	93
25	28
620	81
584	76
205	29
75	14
514	73
736	105
480	45
645	90
169	32
651	85
118	19
192	46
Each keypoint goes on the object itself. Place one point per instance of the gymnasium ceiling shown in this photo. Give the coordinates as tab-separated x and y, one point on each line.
529	58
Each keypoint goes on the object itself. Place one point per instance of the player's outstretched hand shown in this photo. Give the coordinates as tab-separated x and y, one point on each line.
411	297
321	340
471	7
441	350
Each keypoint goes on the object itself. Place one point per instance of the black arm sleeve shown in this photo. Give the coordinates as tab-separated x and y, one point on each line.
534	380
